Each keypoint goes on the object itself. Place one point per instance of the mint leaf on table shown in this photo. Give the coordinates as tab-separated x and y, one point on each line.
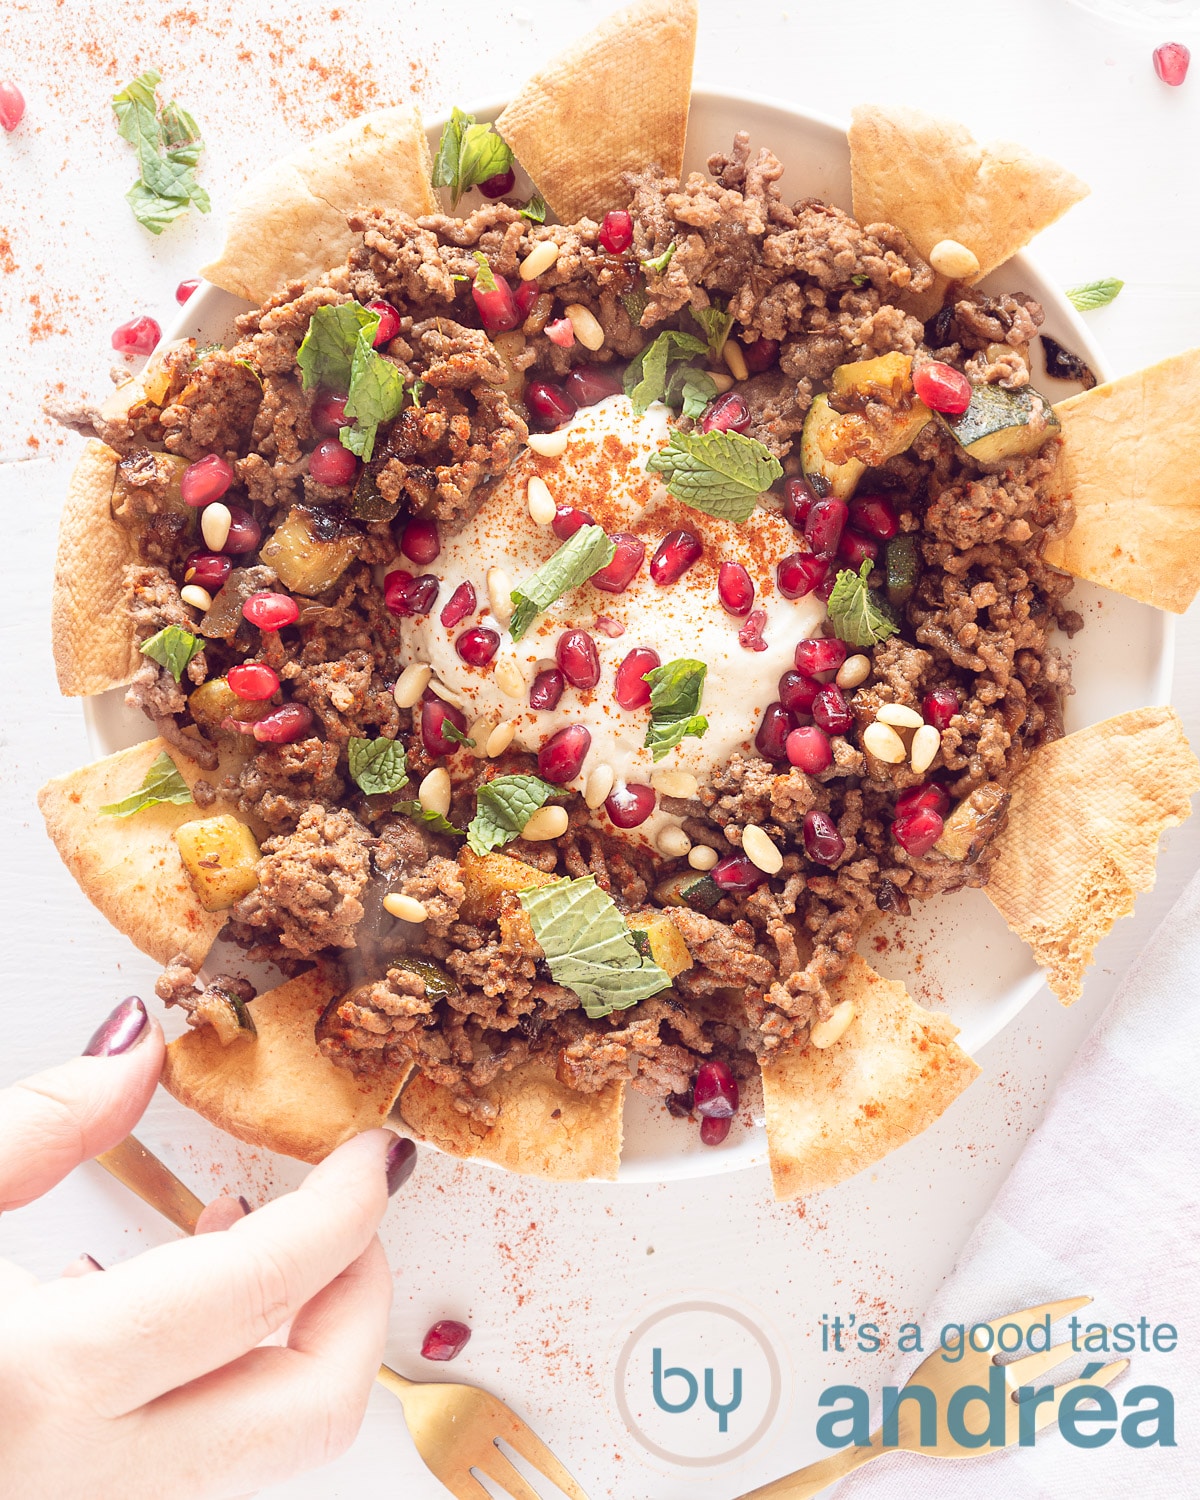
1093	294
467	155
375	396
716	322
675	691
645	377
172	647
576	560
168	146
378	765
326	357
161	783
857	613
434	820
719	473
502	809
588	946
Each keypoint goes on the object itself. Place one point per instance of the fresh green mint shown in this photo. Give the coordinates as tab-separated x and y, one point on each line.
675	692
660	262
1093	294
431	819
172	647
161	783
716	322
576	560
857	613
646	376
377	766
719	473
467	155
168	146
326	356
503	806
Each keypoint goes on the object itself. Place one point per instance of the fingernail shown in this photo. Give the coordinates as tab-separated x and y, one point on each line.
245	1202
399	1163
92	1261
123	1028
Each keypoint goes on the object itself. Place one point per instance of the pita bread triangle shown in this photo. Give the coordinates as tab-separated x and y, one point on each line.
615	102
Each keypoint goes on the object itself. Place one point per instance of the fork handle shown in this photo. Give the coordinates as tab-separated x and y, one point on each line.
812	1479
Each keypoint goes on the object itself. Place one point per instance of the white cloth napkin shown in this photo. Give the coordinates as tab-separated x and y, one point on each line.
1104	1200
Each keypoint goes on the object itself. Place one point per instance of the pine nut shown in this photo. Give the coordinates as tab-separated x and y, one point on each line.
673	842
735	360
925	745
900	715
198	598
674	783
824	1033
882	741
722	381
546	823
549	444
949	258
598	785
587	328
853	672
760	850
447	695
411	684
540	501
500	739
434	791
499	587
509	678
540	258
407	908
215	521
481	731
702	857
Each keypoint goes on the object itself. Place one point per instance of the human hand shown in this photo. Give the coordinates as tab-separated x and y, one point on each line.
147	1380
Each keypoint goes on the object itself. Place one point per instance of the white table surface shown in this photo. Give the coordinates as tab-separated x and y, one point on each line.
551	1279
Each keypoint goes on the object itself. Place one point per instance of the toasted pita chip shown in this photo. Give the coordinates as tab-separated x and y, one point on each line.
275	1089
1083	828
130	867
615	102
91	626
289	222
1131	464
833	1111
543	1128
930	177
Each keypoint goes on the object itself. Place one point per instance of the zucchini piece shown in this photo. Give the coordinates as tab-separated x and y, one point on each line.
974	823
310	551
886	378
215	701
696	889
228	1016
1000	424
838	446
221	856
821	431
657	937
902	569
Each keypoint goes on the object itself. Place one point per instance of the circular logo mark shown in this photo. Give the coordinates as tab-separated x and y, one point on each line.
698	1383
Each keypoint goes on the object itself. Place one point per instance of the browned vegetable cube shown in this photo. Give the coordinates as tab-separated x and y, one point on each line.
221	856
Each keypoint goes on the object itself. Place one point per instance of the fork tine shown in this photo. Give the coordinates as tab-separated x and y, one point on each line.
462	1484
1048	1412
504	1472
1026	1319
526	1442
1022	1371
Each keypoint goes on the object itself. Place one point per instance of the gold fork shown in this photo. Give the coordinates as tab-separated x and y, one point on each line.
943	1379
454	1428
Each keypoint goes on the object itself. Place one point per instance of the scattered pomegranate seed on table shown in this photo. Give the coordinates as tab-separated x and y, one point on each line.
823	844
631	690
588	384
547	688
208	570
445	1340
12	105
270	611
389	322
435	713
629	805
205	481
1170	63
420	541
549	405
771	739
616	576
675	554
478	645
284	725
942	387
185	290
461	603
727	413
616	231
138	336
245	532
498	184
253	681
735	589
561	758
578	658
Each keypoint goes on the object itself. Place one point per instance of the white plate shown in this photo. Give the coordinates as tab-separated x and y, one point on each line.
955	953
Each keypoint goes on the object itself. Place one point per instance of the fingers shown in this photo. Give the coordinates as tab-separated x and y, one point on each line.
53	1121
221	1213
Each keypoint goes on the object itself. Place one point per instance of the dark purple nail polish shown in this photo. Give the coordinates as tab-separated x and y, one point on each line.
245	1202
92	1261
120	1031
400	1161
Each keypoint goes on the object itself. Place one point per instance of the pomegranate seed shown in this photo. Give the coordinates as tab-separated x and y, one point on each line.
713	1132
760	355
631	690
205	481
208	569
855	549
138	336
245	532
627	806
750	636
460	604
737	873
735	589
270	611
561	758
1170	63
576	654
284	725
185	290
420	541
547	689
715	1092
827	585
389	322
568	520
12	105
824	525
918	831
435	714
799	573
823	844
525	296
549	405
606	625
831	710
406	596
331	464
478	645
942	387
561	332
727	413
939	706
872	515
588	384
809	748
616	576
918	798
498	184
798	500
825	654
253	680
797	693
616	231
447	1337
497	310
771	739
328	415
676	553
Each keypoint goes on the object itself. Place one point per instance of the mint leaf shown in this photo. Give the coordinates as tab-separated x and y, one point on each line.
588	946
719	473
689	391
378	765
645	377
435	820
173	648
857	613
467	155
327	354
635	303
452	732
535	209
859	279
483	277
168	146
716	322
660	263
161	783
1093	294
576	560
675	690
376	395
502	809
